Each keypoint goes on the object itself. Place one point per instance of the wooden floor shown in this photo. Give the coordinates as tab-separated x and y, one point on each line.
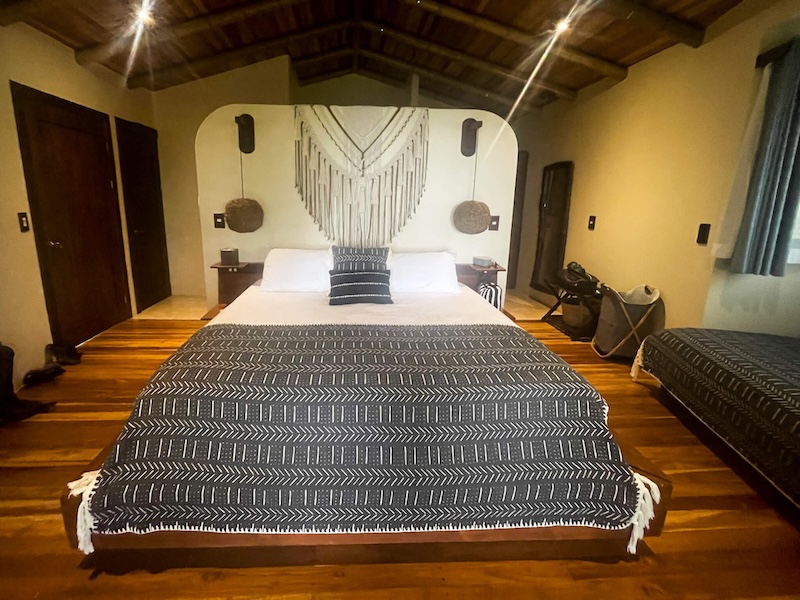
721	539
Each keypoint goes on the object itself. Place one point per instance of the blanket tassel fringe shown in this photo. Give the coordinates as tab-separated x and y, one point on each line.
85	488
649	496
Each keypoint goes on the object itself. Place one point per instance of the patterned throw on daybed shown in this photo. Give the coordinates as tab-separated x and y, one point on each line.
333	428
744	386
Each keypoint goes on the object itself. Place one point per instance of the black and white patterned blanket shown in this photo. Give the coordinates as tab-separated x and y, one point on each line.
363	429
743	386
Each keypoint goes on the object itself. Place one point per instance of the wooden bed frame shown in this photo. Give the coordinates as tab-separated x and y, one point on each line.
423	546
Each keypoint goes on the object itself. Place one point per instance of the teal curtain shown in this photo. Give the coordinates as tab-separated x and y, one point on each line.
773	195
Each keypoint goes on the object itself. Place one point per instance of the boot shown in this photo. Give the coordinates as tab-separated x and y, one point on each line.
13	408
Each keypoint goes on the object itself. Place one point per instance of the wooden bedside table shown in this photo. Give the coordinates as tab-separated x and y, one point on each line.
234	279
473	275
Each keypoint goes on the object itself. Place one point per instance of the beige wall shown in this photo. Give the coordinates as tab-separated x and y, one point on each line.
33	59
655	157
356	89
179	112
269	178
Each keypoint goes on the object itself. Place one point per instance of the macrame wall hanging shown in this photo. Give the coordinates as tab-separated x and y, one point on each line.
361	170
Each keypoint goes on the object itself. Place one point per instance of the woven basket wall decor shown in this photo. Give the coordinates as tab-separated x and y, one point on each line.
244	215
471	217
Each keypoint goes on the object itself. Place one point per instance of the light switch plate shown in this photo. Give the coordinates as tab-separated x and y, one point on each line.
24	224
494	222
702	233
219	220
592	222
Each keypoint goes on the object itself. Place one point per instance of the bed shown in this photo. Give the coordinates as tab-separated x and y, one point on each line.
745	387
289	421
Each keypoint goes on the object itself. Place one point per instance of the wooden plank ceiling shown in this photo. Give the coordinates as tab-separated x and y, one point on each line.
466	52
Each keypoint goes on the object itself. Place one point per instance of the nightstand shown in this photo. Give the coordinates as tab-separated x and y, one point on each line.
234	279
473	275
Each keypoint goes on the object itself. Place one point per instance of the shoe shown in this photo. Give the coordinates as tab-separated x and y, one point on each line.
43	375
63	355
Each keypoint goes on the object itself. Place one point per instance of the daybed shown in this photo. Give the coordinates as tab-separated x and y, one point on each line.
745	387
287	421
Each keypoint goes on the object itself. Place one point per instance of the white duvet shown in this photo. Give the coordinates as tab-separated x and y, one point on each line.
257	307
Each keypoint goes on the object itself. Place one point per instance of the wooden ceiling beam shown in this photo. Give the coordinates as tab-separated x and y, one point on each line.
648	18
23	9
322	57
218	62
597	64
102	52
436	76
325	76
468	60
358	11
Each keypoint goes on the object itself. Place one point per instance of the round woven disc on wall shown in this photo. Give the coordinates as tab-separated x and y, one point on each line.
471	217
244	215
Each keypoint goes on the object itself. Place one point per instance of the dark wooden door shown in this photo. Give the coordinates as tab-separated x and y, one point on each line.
71	182
553	221
144	212
516	220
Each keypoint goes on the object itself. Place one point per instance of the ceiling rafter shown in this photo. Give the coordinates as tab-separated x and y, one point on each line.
425	49
322	57
21	10
357	17
644	16
564	52
469	60
451	81
102	52
179	73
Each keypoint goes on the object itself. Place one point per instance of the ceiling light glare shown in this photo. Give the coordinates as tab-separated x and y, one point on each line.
562	25
144	17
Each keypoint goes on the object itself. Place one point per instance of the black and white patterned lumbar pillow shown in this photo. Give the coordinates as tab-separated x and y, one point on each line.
358	287
359	259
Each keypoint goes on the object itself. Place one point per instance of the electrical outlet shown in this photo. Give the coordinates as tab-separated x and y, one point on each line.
24	224
494	222
219	220
592	221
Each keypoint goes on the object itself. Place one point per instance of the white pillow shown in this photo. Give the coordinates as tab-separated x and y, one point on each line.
290	270
423	273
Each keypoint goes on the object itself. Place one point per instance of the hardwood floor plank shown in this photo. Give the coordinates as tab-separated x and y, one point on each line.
721	539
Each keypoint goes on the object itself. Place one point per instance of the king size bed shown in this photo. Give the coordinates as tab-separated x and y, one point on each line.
288	420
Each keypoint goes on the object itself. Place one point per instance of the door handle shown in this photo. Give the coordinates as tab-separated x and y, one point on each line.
56	245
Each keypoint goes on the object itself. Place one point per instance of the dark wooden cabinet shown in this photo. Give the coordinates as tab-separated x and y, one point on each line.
234	279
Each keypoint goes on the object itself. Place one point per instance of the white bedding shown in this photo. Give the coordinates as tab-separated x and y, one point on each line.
257	307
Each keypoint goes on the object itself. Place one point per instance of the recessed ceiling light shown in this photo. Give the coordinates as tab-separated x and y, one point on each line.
562	25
